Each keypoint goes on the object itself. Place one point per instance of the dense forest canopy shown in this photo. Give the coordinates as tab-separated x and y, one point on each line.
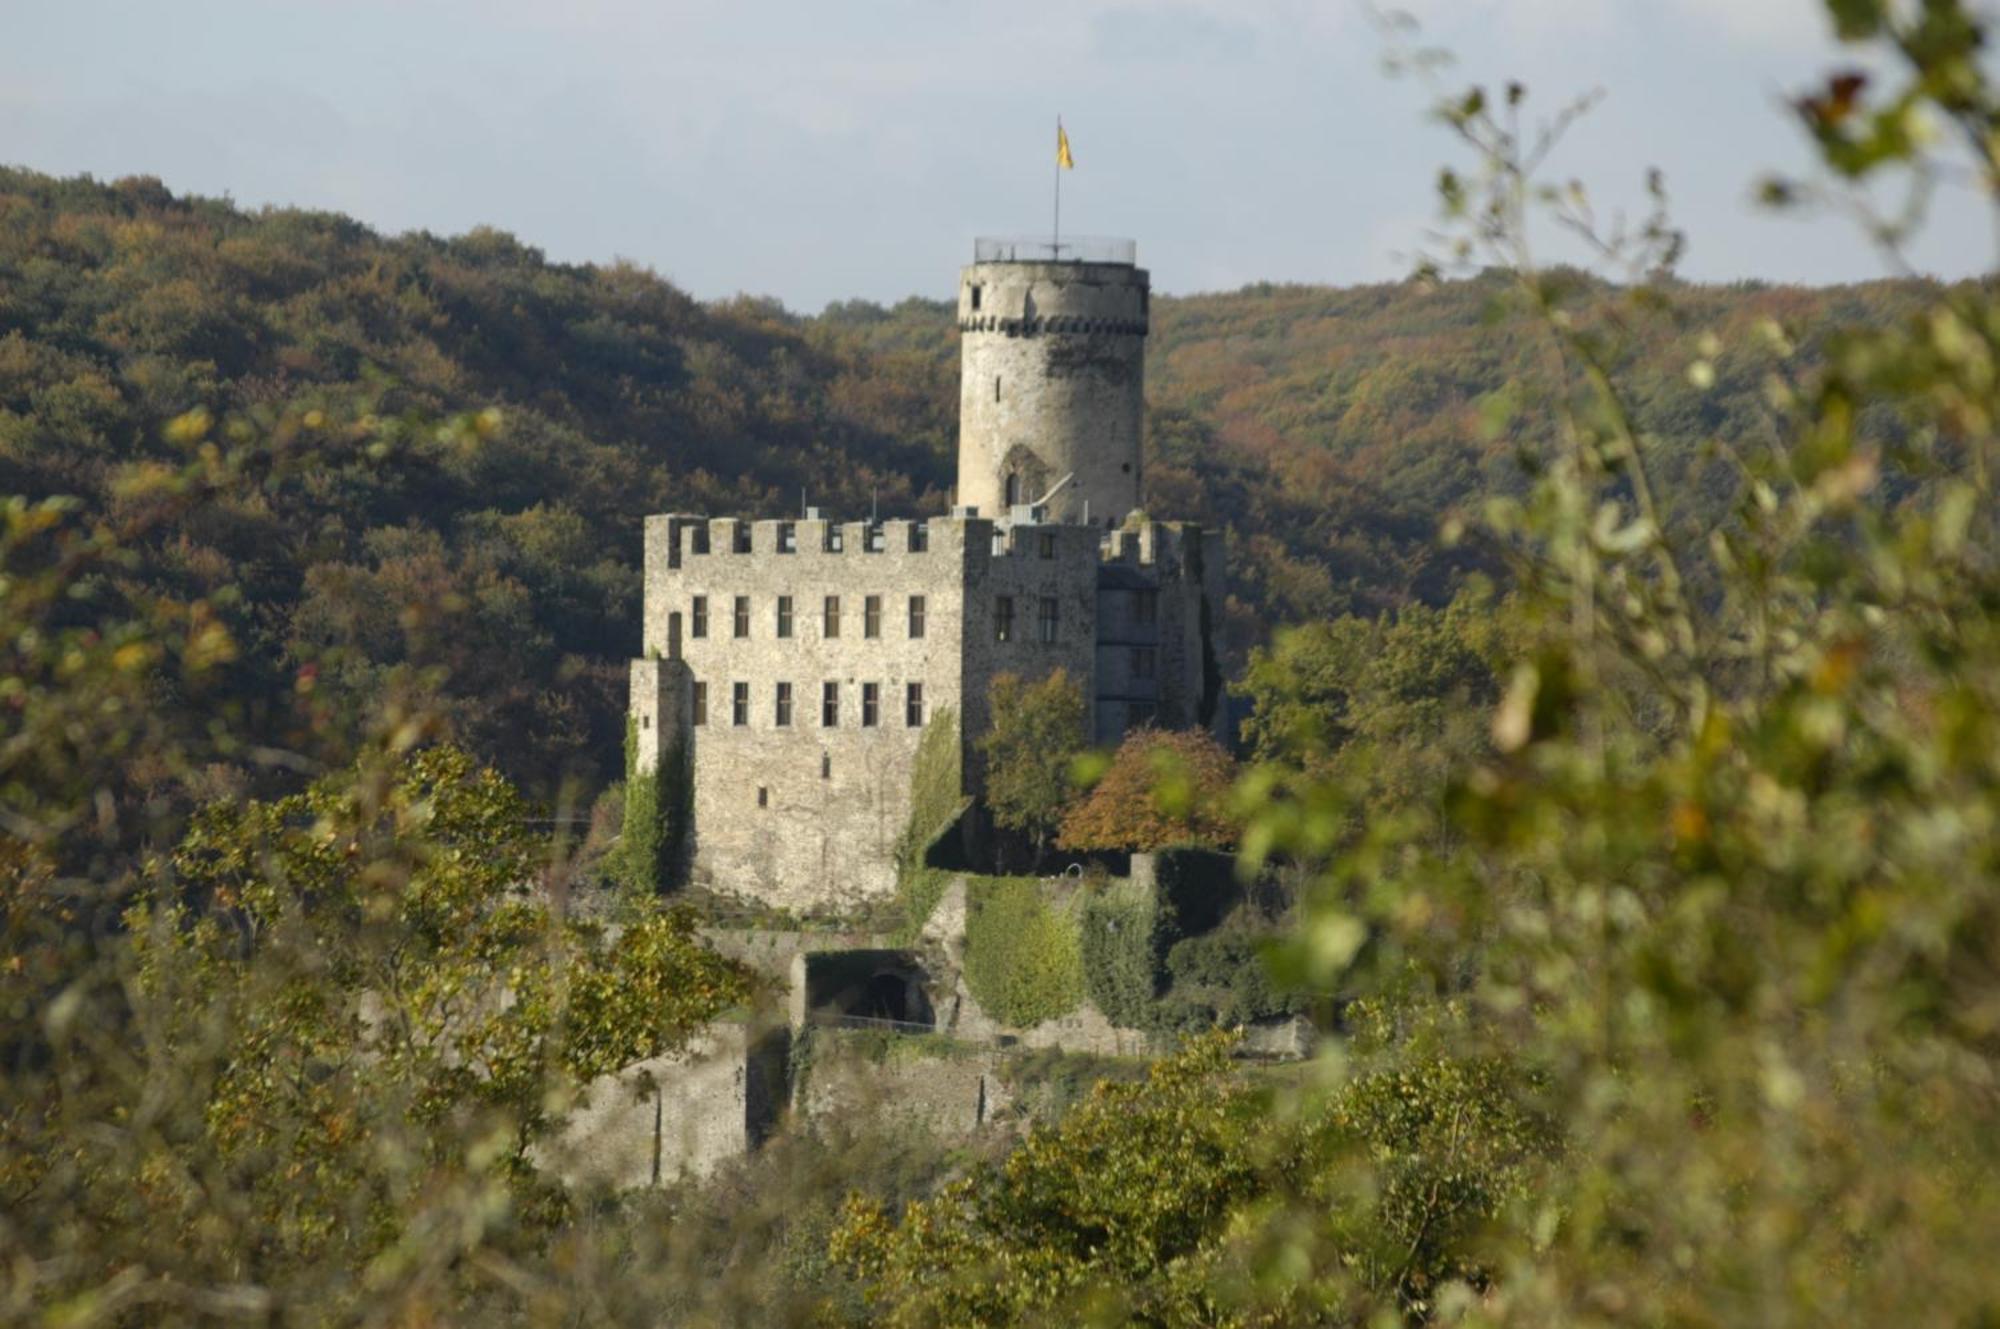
495	573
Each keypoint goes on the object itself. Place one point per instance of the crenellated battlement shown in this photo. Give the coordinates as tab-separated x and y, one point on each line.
680	539
1164	544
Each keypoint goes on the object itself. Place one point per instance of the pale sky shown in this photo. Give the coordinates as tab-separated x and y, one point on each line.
816	150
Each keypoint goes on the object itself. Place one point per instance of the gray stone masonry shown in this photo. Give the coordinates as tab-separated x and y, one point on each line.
797	802
655	1122
1052	384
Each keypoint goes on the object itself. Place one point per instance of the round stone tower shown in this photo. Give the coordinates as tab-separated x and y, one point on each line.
1052	378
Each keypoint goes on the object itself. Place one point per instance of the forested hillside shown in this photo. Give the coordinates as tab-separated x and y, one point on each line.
493	569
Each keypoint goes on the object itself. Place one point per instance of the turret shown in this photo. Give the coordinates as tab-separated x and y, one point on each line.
1052	378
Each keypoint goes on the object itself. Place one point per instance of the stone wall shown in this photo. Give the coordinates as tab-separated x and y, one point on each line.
806	814
1031	566
1176	569
949	1091
792	810
1052	383
668	1118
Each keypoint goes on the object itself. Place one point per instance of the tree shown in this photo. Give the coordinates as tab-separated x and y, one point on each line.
1164	789
1717	879
1141	1206
364	989
1037	728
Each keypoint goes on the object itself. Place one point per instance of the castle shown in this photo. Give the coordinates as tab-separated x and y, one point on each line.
791	668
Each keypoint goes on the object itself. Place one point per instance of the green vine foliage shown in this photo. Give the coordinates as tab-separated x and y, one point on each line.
1023	955
937	799
1125	931
659	808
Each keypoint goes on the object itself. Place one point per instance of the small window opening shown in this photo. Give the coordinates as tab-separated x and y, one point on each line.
996	387
975	296
763	796
1048	544
1013	490
826	765
645	722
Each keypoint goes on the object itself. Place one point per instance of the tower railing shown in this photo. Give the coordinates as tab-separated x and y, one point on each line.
1050	249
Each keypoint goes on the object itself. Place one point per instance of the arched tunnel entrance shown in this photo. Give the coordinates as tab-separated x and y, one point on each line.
868	987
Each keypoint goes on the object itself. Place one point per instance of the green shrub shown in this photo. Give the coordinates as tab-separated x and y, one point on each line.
658	810
1125	931
1224	973
1023	956
937	799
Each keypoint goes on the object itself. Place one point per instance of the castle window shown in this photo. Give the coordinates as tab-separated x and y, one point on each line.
996	387
826	765
698	620
763	796
1046	619
834	539
913	706
920	537
871	616
788	538
699	543
739	704
781	712
871	539
742	544
1013	490
829	705
830	619
975	295
742	616
1145	606
1048	544
645	722
871	705
1145	662
784	616
916	616
701	703
1003	618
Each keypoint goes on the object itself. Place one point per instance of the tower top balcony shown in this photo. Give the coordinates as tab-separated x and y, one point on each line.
1048	249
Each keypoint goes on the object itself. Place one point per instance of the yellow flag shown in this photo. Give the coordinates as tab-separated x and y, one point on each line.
1063	159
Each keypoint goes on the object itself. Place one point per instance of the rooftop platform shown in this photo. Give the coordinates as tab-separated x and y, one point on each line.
1048	249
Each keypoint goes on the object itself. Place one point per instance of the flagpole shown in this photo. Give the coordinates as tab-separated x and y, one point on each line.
1055	241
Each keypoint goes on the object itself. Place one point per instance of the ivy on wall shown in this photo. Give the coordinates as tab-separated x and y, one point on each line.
937	799
1125	932
1023	955
659	808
